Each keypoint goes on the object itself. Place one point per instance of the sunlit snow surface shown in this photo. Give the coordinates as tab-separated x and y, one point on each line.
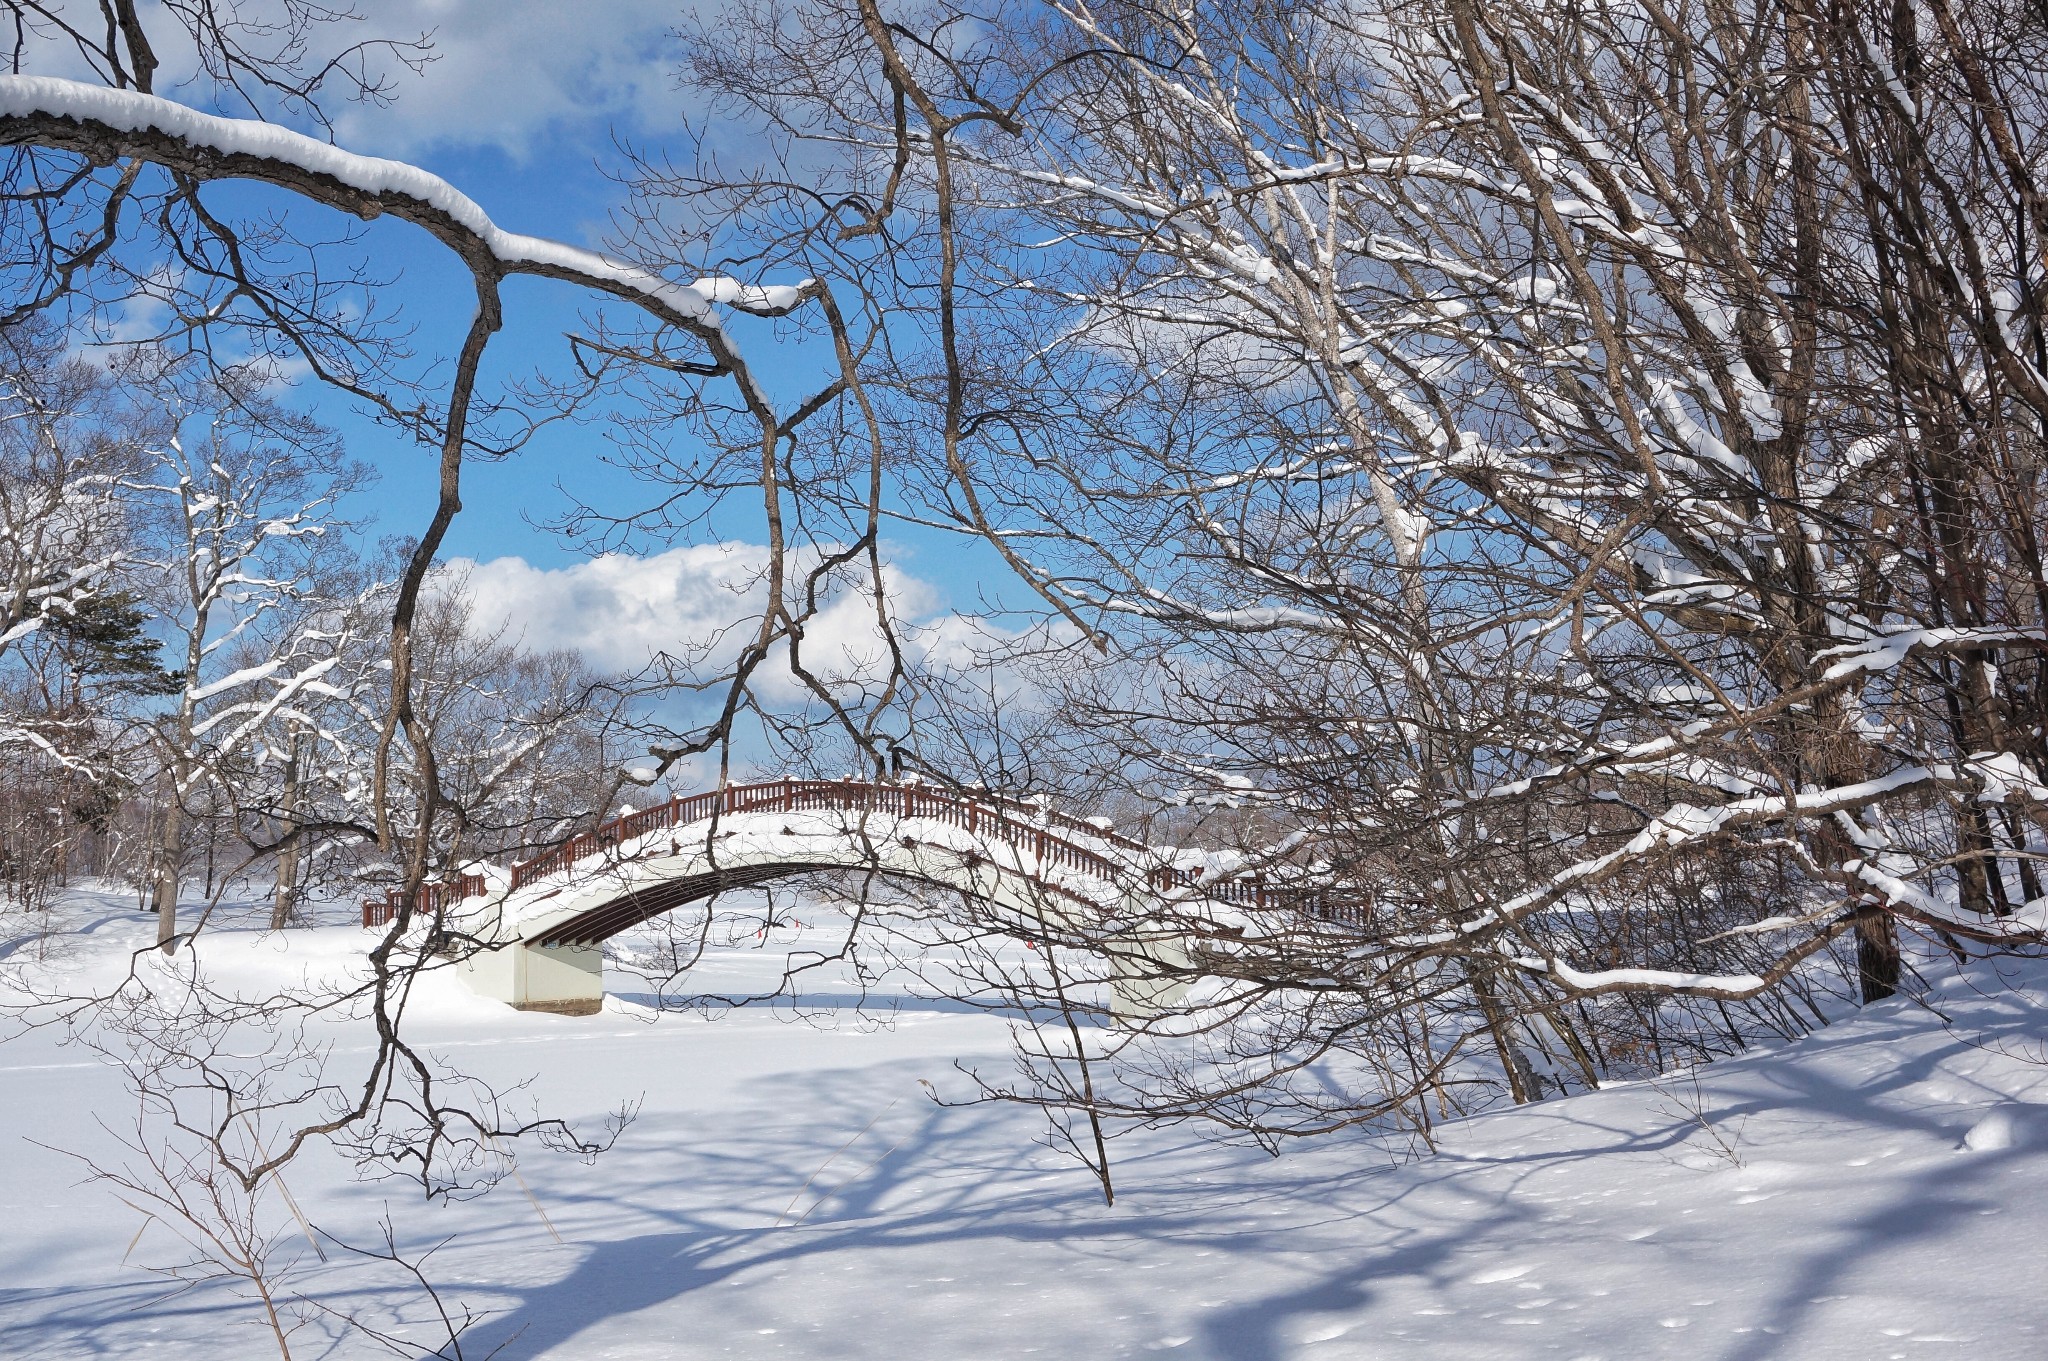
1887	1201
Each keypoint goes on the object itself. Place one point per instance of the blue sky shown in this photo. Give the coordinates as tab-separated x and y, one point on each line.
522	111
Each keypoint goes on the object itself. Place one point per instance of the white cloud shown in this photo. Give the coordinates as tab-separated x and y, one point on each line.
510	71
620	611
505	74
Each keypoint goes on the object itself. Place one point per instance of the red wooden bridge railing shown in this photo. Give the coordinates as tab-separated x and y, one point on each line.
430	898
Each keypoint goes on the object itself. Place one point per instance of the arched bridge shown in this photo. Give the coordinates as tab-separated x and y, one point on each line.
546	919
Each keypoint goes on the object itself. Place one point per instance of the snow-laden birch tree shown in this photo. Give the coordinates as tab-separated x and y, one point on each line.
243	507
533	739
74	651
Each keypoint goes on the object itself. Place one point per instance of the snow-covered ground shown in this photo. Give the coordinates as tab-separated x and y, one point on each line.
788	1190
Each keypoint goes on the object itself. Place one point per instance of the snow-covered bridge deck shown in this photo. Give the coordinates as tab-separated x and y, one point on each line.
547	918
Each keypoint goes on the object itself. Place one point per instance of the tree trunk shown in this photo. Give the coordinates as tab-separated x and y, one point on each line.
1524	1085
288	857
170	851
1877	956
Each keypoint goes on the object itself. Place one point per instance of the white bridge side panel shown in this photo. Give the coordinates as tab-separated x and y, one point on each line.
569	978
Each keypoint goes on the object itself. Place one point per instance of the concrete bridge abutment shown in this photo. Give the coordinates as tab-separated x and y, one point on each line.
566	980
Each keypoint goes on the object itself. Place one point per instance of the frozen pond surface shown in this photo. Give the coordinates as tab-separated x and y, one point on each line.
1883	1201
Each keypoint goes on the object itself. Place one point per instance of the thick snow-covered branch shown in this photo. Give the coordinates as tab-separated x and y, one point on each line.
107	124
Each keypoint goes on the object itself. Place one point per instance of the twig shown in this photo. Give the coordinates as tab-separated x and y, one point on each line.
827	1163
850	1180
